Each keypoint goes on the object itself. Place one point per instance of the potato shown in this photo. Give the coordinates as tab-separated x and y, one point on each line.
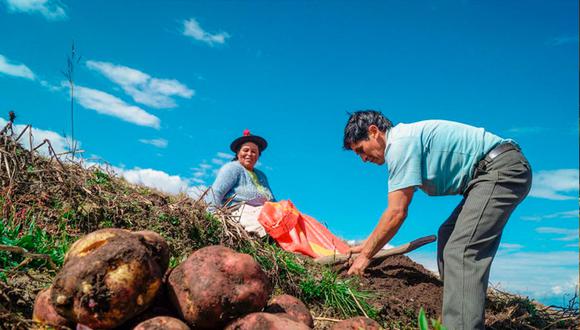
291	306
266	321
92	241
162	323
158	246
357	323
44	312
108	277
216	285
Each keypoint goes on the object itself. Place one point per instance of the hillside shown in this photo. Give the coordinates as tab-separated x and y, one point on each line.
46	203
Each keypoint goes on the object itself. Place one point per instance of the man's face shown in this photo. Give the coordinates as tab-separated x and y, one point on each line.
373	149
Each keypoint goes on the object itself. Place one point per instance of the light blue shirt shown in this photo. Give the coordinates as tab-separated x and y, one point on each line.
437	156
234	180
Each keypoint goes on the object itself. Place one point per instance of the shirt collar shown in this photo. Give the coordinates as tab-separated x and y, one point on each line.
387	141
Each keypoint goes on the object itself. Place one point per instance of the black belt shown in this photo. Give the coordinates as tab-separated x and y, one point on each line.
500	149
491	155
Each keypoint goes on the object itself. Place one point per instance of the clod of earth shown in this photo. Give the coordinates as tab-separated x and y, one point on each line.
357	323
216	285
44	312
291	306
108	277
266	321
162	323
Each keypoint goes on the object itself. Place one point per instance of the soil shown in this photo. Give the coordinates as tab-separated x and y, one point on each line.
400	288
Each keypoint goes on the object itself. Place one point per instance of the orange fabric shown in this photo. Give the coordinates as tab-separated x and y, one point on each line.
298	232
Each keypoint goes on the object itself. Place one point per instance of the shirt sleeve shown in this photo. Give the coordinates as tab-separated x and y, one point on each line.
404	163
226	179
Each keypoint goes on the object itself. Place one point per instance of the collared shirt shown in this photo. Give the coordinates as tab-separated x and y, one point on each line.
436	156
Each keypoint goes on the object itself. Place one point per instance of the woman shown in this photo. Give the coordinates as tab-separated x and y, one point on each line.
240	182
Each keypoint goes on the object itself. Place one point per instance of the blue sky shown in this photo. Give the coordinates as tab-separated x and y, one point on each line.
163	87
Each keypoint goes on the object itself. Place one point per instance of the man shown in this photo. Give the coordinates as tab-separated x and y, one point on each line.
445	158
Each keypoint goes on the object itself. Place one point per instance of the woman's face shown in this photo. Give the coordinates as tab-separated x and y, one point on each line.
248	155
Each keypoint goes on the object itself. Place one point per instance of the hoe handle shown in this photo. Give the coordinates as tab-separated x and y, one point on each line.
382	254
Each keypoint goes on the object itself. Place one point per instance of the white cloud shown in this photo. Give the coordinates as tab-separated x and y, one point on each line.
565	233
556	184
533	274
537	273
225	155
159	180
510	247
198	181
144	89
573	214
162	181
59	143
110	105
191	28
16	70
159	143
51	9
218	161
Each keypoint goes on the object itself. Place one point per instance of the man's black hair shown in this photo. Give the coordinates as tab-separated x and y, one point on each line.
357	127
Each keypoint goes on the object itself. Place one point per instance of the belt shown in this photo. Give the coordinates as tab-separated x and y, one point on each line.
491	155
500	149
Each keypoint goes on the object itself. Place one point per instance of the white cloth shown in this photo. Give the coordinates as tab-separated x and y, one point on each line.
248	218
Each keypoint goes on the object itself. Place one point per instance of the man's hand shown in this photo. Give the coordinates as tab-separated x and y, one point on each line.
355	249
359	265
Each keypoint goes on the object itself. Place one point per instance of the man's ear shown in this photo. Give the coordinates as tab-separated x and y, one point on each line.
373	130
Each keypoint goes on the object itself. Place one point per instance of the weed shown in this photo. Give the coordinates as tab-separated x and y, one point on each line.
99	178
423	324
33	239
338	293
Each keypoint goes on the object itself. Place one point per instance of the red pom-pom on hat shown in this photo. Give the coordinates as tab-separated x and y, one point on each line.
247	132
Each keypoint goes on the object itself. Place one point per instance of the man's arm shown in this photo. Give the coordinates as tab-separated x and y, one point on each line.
389	223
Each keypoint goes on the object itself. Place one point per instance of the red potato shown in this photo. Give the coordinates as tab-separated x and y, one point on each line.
44	312
357	323
216	285
266	321
291	306
162	323
108	277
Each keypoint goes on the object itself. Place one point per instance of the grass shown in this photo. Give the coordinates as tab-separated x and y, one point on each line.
28	236
338	293
423	324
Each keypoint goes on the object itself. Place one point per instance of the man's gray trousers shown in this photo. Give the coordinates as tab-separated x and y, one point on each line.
469	238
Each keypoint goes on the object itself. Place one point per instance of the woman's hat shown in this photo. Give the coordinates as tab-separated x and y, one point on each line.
248	137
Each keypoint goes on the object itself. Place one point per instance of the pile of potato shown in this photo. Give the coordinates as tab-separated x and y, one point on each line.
115	278
107	278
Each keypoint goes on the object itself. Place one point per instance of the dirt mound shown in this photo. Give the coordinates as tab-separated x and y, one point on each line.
400	288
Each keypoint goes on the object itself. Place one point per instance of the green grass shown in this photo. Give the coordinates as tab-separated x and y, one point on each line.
99	178
423	324
29	236
340	294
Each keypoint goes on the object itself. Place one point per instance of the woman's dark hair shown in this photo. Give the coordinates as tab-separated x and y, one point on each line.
357	127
